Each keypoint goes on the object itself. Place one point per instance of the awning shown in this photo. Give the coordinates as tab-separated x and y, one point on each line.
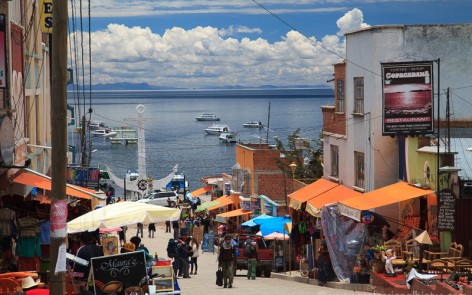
336	194
44	182
201	190
222	201
397	192
238	212
312	190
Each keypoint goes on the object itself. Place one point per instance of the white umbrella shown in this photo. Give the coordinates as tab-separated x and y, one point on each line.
121	214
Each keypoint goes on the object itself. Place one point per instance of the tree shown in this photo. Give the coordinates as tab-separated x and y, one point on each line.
299	151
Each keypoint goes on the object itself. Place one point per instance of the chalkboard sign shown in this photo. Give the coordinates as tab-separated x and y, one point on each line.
208	243
447	210
119	274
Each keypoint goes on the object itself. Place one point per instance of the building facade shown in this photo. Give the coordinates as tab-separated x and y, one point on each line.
361	157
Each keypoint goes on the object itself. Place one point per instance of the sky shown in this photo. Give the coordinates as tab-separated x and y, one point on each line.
249	43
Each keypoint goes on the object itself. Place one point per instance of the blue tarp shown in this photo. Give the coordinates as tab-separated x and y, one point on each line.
251	223
270	225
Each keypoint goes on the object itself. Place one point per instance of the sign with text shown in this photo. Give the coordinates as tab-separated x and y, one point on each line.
407	98
447	210
208	244
46	16
119	274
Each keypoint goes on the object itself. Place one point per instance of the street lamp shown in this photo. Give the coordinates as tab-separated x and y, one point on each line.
293	167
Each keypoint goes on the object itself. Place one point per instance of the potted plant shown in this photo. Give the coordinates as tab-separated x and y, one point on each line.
377	264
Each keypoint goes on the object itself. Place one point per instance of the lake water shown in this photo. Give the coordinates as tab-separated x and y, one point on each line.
173	136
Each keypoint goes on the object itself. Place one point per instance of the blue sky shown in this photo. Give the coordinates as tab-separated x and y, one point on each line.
209	43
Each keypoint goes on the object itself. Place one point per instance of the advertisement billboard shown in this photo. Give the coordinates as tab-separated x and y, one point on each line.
407	98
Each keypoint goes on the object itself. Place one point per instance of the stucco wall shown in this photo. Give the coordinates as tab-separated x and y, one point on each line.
365	51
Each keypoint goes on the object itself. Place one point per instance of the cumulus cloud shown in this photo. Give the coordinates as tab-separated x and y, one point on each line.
351	21
202	58
206	57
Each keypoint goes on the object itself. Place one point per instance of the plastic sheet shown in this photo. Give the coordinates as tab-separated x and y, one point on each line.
345	239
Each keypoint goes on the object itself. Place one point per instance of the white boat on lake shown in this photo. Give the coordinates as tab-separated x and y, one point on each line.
124	135
253	124
103	132
228	137
207	117
217	129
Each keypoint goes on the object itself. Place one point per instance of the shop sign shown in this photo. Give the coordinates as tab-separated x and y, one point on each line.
46	16
407	98
208	244
119	274
447	210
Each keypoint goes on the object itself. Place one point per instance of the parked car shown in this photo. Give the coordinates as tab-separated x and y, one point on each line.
264	255
160	198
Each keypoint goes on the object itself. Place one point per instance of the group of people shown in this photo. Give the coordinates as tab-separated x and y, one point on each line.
185	255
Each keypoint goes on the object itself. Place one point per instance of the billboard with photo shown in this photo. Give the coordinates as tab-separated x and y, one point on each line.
407	98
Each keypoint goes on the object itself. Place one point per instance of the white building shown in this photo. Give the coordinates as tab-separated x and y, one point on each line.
355	152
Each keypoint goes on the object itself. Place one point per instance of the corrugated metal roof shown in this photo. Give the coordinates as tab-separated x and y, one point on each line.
463	157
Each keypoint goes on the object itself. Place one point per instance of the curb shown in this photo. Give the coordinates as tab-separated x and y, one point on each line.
334	285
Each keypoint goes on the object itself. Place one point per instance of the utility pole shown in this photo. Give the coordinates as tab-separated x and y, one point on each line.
59	144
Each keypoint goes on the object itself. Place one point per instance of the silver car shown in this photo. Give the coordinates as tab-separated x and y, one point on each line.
160	198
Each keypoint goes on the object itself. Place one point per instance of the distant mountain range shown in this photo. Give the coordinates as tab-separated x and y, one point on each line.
145	86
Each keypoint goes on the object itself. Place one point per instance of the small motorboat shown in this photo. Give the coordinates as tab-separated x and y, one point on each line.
228	137
103	132
253	124
217	129
207	117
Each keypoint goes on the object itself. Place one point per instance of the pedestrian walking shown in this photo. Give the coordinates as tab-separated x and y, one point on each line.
227	261
122	235
176	228
139	229
250	251
194	258
151	230
167	226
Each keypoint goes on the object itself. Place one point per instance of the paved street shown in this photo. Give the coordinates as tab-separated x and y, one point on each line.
204	282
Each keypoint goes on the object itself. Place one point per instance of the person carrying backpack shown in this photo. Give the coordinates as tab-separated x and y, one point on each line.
250	252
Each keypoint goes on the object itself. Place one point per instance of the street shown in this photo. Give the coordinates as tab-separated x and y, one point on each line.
204	281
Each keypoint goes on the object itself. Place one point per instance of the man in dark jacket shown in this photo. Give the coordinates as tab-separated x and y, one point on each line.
227	261
88	251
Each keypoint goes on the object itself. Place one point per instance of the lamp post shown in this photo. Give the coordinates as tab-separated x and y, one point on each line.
293	167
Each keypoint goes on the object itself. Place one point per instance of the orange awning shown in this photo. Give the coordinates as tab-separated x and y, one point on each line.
222	217
45	183
336	194
222	201
201	191
310	191
397	192
237	212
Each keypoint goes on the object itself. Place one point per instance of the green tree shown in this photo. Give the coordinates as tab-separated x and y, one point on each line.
300	151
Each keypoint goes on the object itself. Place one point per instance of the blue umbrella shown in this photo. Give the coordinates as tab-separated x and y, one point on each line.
270	225
251	223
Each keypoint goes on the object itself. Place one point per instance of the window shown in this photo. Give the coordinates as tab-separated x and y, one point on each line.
359	95
334	161
340	87
359	169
